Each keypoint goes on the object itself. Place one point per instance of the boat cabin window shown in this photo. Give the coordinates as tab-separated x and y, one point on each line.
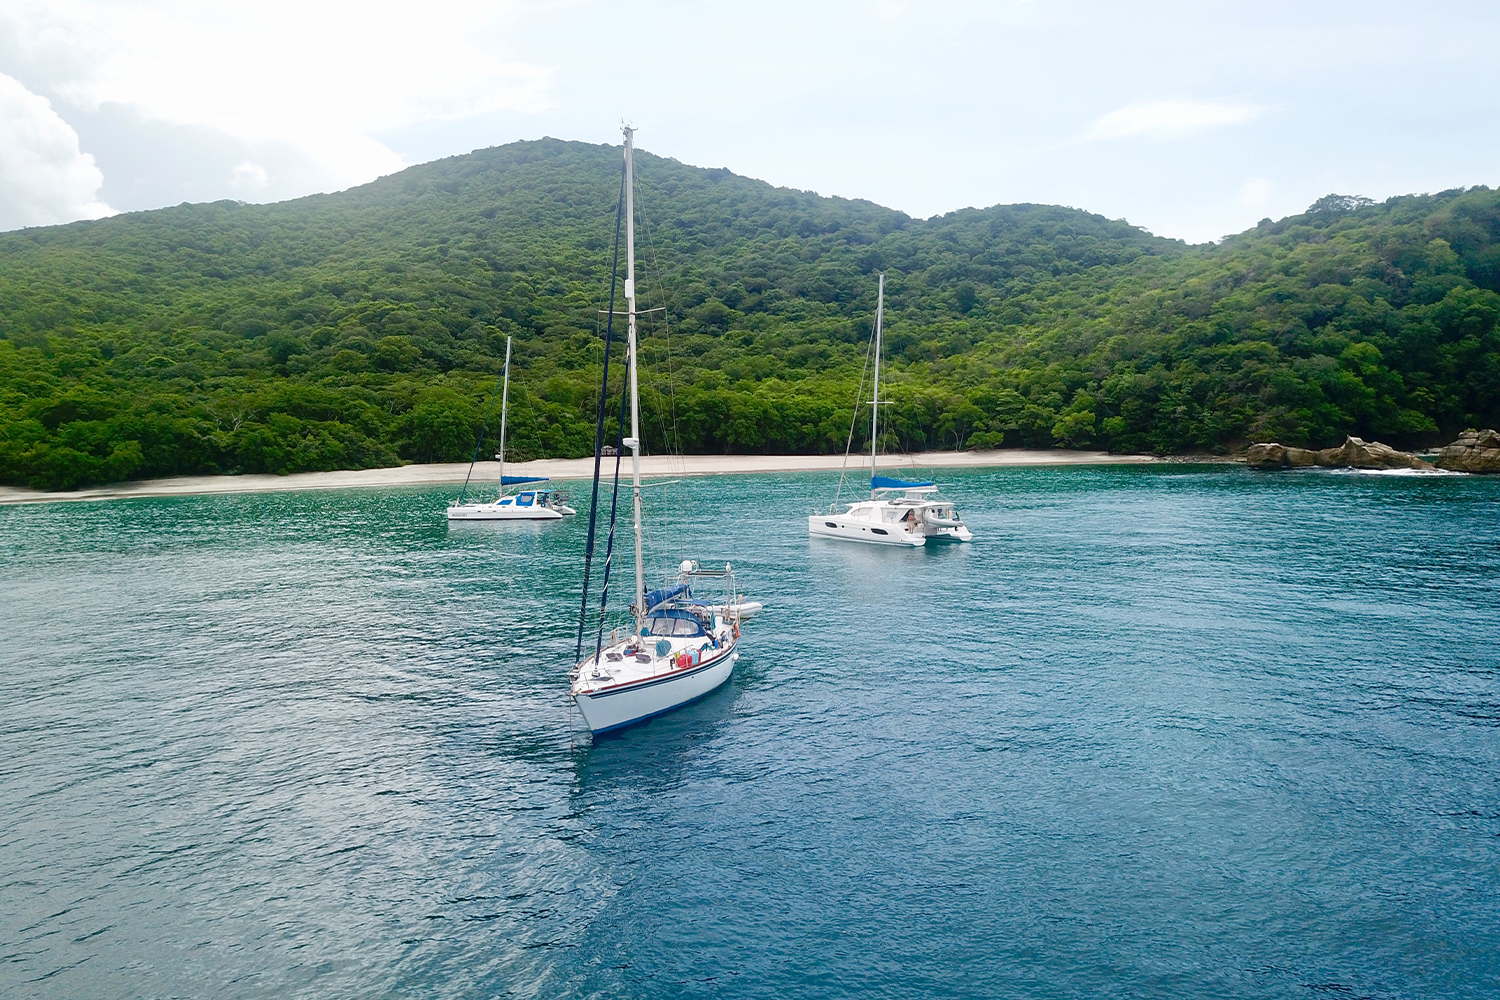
524	499
661	626
506	502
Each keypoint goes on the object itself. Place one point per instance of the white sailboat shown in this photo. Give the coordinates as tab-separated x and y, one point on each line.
526	505
680	646
898	512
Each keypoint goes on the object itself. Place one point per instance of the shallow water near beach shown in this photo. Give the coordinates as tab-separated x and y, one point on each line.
1158	732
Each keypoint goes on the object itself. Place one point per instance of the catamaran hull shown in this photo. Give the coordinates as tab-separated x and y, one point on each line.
492	512
854	529
612	708
848	529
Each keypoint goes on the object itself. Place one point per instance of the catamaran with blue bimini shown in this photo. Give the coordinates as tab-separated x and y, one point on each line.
898	512
526	505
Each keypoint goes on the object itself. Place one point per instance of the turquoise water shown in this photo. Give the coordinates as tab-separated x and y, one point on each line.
1163	732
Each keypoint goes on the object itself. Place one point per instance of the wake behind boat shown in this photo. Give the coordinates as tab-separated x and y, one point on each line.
528	505
898	512
679	647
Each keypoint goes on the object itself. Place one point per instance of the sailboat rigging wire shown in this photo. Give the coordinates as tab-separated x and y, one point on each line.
609	329
482	428
614	503
853	419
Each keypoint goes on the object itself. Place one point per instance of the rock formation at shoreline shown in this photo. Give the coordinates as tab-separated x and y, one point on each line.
1474	451
1354	453
1271	455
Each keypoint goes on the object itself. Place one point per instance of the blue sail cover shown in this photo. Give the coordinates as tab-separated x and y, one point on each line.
518	480
886	483
656	598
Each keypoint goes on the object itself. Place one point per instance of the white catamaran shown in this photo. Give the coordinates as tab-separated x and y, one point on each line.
527	505
680	646
897	513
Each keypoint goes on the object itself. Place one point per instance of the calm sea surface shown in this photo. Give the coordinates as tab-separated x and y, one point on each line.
1162	732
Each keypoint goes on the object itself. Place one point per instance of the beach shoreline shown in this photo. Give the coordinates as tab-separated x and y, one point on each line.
562	470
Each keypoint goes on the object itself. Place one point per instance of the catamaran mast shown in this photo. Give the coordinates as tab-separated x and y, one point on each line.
634	441
875	402
504	398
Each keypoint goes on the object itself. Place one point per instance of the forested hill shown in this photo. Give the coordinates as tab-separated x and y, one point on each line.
368	327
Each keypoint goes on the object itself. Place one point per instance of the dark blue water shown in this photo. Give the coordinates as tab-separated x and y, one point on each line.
1166	732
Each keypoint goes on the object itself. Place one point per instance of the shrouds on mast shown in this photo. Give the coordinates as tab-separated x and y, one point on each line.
609	329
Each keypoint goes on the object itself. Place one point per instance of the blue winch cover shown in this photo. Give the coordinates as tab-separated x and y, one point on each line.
657	597
886	483
518	480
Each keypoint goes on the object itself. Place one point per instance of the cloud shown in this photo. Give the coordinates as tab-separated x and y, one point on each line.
247	174
324	76
44	177
1167	118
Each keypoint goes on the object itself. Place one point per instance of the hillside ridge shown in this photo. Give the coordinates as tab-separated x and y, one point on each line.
366	327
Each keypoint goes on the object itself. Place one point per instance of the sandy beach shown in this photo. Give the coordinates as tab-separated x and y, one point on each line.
564	470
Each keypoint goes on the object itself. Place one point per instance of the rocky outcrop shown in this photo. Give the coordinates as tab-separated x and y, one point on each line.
1474	451
1354	453
1278	456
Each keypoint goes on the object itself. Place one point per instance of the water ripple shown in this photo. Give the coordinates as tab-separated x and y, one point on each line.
1159	732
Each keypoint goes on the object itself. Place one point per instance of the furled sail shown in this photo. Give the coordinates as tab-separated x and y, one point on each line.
656	598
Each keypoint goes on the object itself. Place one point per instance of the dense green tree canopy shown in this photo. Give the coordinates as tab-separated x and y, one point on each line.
368	327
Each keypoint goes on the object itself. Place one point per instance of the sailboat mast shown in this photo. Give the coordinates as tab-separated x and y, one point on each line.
504	400
875	402
634	441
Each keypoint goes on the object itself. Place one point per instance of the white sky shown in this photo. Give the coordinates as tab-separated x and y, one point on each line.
1193	119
